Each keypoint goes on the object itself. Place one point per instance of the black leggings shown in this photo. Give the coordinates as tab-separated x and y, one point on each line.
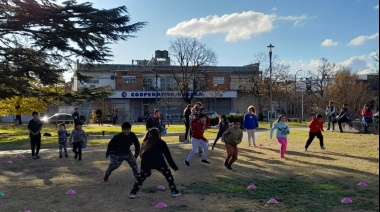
146	173
35	144
312	136
342	120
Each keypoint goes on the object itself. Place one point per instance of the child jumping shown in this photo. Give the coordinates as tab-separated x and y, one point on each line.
62	139
315	129
78	138
153	153
282	132
232	137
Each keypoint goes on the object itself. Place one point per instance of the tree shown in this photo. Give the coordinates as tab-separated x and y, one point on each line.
39	40
375	57
321	78
193	59
348	89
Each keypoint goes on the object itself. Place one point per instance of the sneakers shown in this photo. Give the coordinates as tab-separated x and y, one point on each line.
323	147
132	196
34	157
37	157
205	161
187	163
66	156
105	178
305	149
176	194
225	162
229	167
60	155
212	148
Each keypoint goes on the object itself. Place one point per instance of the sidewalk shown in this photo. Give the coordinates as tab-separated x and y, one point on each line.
103	148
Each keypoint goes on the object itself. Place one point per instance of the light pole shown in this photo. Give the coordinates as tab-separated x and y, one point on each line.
270	47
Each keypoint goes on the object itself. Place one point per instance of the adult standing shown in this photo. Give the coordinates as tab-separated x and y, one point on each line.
75	115
250	123
186	114
35	127
99	116
331	115
344	116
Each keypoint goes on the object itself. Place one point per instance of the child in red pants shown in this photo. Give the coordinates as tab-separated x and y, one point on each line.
282	131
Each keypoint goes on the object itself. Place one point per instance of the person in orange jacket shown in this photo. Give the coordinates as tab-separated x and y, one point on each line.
315	129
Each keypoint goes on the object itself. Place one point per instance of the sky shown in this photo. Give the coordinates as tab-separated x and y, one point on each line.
345	32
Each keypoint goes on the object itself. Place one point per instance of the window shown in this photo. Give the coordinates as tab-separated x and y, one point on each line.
148	83
129	79
167	84
93	81
218	80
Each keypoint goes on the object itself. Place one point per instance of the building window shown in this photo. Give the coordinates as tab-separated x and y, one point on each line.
148	83
218	80
129	79
167	84
93	81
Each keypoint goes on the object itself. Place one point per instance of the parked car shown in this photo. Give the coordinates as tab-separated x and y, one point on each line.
58	118
212	114
143	118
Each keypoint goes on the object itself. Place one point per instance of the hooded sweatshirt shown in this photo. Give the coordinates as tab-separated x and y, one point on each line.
232	136
315	125
282	130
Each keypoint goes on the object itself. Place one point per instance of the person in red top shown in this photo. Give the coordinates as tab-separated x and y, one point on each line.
198	126
367	116
315	129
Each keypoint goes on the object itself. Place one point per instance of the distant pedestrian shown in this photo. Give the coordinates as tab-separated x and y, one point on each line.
232	137
223	125
35	127
153	153
119	148
99	116
62	139
115	116
315	129
367	115
75	115
155	121
250	123
198	125
282	133
78	139
331	115
344	116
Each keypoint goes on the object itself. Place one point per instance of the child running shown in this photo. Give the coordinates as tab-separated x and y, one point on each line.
153	153
282	132
315	129
62	139
78	138
223	126
232	137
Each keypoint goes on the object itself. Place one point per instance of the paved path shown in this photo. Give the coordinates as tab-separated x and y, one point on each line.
103	148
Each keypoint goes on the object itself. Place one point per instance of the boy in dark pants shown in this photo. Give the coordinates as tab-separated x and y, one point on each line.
315	129
119	148
34	127
77	138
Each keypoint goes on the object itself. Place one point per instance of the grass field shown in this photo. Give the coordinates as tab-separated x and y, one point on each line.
316	180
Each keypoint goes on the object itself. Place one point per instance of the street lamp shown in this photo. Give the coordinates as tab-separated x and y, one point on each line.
270	47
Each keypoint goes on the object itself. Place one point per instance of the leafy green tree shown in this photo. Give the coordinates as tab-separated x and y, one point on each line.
39	40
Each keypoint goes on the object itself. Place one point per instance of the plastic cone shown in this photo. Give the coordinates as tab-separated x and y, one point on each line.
21	156
346	200
70	192
9	162
252	186
362	184
27	210
273	201
161	205
160	187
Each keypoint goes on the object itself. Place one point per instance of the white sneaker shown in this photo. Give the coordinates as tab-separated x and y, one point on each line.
176	194
132	196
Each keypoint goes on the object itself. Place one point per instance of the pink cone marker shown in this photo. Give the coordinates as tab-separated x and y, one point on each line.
362	184
70	192
346	200
252	186
9	162
21	156
161	205
273	201
27	210
160	187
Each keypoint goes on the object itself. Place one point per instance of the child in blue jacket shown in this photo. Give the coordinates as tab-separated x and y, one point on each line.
250	123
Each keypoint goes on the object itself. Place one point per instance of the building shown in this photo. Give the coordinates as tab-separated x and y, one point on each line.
147	84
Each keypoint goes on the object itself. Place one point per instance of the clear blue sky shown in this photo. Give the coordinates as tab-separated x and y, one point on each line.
345	32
